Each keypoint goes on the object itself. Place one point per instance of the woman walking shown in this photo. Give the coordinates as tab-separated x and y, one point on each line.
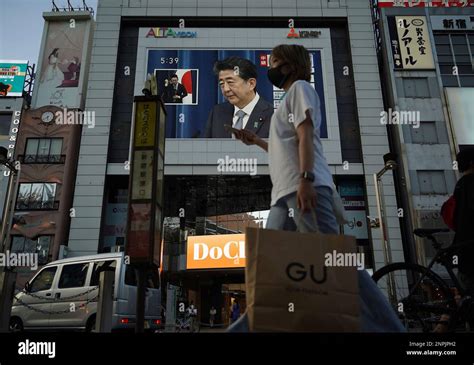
302	181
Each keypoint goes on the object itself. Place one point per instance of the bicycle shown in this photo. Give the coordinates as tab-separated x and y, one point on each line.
187	324
426	300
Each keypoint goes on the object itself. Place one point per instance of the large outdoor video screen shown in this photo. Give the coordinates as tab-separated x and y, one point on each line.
190	102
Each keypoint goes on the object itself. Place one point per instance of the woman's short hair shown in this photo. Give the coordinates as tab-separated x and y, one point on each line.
297	57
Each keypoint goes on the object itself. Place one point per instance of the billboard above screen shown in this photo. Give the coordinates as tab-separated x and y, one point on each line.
63	62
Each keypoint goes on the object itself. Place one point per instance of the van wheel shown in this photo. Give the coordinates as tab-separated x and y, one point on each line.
16	325
90	326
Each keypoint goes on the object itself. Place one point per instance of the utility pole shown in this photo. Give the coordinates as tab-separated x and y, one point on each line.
141	272
389	164
7	274
106	301
145	203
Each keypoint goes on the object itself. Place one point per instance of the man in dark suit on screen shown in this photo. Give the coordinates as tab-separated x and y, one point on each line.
174	92
244	108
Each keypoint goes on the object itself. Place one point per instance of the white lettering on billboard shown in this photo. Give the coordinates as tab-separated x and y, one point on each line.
202	251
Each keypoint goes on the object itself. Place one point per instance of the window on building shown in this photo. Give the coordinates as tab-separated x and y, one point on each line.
425	134
467	81
456	59
234	223
432	182
416	87
115	223
40	246
5	122
37	196
450	81
43	150
73	276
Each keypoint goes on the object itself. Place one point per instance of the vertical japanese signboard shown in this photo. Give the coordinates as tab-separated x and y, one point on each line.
410	43
145	204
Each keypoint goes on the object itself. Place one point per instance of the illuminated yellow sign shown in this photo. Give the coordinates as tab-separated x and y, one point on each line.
145	124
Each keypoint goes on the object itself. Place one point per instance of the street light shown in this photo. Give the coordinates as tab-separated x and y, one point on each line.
7	275
389	164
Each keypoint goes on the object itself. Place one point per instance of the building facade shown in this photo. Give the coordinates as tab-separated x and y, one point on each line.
44	138
48	154
134	38
432	87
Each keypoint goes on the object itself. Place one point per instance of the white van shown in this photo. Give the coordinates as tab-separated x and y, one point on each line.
63	295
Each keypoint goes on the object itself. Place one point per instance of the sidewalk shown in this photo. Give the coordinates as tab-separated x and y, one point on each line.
213	329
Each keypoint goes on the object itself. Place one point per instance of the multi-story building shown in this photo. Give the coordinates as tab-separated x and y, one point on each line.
135	38
48	154
46	141
427	63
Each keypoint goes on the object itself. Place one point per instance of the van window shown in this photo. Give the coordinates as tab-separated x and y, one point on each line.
44	280
73	276
130	277
96	271
152	281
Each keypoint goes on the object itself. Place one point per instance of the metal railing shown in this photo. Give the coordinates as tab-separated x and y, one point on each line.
63	299
37	205
42	159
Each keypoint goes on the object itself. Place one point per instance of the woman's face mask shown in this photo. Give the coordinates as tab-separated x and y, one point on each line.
277	77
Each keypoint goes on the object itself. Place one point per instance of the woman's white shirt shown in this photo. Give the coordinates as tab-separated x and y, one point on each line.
283	158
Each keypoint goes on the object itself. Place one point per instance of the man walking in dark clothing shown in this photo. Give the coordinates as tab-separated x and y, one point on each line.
464	218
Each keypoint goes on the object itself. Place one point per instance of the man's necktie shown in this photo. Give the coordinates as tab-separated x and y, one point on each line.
240	120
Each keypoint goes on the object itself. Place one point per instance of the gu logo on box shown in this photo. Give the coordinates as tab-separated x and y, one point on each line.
216	251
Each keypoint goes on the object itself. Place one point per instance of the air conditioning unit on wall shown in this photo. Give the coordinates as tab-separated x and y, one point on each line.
63	251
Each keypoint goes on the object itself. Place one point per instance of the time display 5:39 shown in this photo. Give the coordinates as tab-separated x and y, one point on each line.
169	60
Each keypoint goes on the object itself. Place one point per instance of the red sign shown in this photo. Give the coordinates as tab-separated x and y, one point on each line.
293	34
140	227
422	4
